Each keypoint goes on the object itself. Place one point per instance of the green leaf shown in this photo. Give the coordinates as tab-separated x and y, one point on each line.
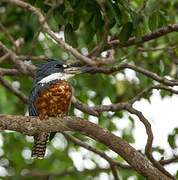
135	19
176	130
126	32
53	24
156	20
29	27
128	137
114	12
153	21
74	3
29	33
43	6
76	21
171	140
70	36
97	20
162	19
158	149
99	35
89	33
32	1
58	15
91	6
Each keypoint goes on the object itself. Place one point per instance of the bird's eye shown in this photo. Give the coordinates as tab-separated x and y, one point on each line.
64	65
58	66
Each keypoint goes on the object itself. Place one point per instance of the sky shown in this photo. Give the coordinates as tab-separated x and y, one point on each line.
162	114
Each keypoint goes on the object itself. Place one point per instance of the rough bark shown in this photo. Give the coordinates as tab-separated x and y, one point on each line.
32	125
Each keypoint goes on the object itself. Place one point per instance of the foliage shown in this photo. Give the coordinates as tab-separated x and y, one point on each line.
83	25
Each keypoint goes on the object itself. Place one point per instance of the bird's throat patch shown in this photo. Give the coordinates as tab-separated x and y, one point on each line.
55	76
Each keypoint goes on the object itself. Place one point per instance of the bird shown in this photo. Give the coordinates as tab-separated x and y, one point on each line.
50	97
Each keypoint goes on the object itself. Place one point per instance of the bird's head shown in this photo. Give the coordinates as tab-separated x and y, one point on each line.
55	70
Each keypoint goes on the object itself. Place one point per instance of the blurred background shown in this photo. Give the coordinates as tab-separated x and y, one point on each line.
82	24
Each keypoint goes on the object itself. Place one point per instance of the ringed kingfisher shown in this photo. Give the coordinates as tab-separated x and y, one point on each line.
50	96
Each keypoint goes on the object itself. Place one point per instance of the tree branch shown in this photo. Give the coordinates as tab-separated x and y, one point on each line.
148	147
18	93
90	148
149	74
32	125
22	67
146	90
168	161
9	72
84	107
98	109
48	30
113	164
147	37
44	174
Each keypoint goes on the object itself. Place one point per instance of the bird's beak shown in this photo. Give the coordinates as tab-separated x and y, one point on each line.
74	70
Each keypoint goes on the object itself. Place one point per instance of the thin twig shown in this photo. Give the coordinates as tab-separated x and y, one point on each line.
156	49
168	161
100	153
149	74
148	147
3	28
114	43
37	58
83	107
114	172
15	91
143	6
4	57
112	163
40	27
14	58
71	172
10	72
48	30
147	37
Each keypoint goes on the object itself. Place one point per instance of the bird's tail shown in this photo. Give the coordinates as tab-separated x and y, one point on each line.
39	147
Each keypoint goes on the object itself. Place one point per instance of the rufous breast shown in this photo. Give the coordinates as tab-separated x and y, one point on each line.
55	100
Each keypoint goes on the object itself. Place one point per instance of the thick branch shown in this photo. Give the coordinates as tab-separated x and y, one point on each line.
32	125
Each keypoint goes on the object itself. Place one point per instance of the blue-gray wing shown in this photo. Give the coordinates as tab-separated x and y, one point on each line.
37	88
34	94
